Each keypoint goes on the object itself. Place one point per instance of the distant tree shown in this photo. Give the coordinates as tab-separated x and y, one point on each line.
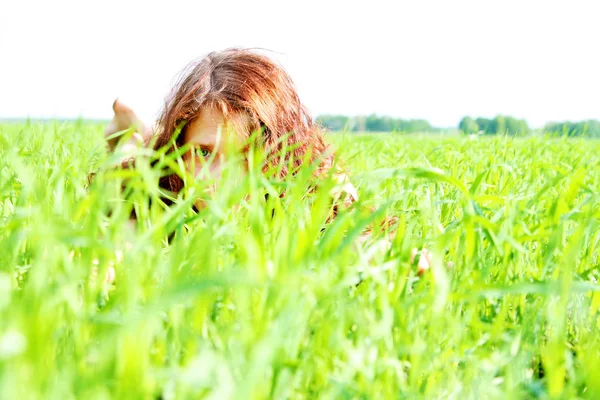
373	123
488	126
468	126
501	124
413	125
514	126
589	128
359	124
333	122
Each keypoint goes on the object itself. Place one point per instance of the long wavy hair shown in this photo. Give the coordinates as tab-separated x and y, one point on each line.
244	83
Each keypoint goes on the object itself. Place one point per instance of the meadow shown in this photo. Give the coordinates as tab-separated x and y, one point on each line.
252	298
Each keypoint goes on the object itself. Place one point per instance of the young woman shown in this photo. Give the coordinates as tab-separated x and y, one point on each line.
236	92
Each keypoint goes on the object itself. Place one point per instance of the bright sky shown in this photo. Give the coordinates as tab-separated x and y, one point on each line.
438	60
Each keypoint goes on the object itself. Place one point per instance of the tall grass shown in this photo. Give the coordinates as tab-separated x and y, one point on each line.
255	298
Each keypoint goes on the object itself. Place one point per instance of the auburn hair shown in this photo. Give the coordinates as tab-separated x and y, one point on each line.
242	82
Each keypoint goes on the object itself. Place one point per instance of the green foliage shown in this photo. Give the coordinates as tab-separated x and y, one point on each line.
468	126
504	125
334	123
589	128
251	298
374	123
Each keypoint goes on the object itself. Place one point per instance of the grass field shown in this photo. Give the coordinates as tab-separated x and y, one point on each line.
243	303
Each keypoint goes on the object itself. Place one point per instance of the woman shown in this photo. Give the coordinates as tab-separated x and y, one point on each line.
235	93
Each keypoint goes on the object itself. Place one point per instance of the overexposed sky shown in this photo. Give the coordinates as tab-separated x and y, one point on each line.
438	60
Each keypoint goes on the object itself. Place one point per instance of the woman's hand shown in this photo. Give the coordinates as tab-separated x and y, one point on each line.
124	118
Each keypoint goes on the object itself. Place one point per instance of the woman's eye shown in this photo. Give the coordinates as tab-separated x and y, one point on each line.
202	152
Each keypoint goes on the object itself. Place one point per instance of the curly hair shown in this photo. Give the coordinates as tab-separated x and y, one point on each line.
242	82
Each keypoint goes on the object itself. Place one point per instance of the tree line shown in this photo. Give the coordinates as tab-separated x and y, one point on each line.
512	126
374	123
501	124
492	126
589	128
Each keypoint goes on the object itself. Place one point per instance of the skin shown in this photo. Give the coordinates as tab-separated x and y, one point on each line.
124	118
206	135
213	140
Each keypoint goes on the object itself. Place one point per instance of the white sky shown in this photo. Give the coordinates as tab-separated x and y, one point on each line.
438	60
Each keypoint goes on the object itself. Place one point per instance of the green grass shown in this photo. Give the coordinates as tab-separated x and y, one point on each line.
246	303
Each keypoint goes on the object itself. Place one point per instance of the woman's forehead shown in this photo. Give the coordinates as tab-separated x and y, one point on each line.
203	129
210	123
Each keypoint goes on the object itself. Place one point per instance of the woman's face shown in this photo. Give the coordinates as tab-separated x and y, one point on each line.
205	135
212	140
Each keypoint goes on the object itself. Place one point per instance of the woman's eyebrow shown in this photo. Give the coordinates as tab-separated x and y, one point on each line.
209	146
202	140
